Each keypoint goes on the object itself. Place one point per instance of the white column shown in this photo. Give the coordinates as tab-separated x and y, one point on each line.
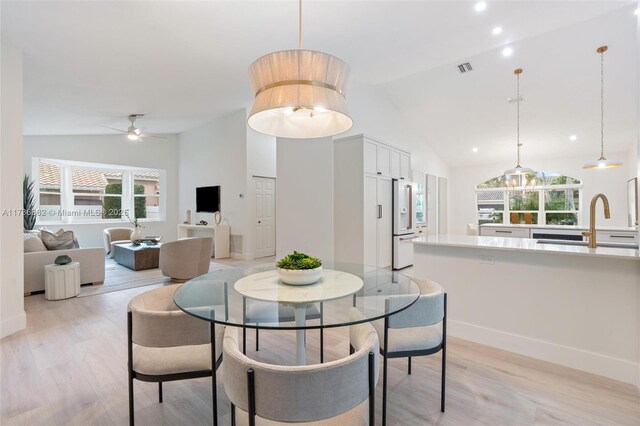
304	197
12	315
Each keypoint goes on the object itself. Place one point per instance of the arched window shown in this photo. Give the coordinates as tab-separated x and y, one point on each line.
538	198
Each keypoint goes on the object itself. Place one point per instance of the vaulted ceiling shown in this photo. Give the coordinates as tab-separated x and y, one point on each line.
90	64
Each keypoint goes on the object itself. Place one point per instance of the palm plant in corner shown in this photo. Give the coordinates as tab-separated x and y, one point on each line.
28	204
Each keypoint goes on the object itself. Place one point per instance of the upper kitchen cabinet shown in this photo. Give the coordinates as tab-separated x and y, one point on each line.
384	160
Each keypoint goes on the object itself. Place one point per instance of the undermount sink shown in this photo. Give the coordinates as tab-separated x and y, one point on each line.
586	244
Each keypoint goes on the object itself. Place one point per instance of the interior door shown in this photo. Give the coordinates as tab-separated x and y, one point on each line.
265	196
385	223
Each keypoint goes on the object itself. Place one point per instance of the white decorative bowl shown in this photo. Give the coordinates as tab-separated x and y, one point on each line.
299	276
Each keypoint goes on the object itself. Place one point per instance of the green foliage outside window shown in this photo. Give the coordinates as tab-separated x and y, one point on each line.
112	206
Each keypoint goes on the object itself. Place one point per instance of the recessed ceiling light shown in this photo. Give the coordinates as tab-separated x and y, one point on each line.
480	6
573	138
474	149
496	30
507	51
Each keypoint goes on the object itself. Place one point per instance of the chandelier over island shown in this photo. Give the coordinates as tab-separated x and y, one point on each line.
518	169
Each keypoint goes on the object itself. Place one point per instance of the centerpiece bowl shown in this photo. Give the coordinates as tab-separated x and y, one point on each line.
299	269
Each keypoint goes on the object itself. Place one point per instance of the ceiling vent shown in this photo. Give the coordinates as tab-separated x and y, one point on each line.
465	67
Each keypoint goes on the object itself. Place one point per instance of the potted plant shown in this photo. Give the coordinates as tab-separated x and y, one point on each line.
28	204
299	269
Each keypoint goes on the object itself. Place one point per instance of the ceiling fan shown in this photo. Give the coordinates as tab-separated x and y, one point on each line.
133	133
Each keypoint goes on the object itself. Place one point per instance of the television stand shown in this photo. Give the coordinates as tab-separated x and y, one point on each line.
220	234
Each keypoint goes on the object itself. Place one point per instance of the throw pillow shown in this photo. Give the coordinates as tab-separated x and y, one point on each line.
61	240
33	243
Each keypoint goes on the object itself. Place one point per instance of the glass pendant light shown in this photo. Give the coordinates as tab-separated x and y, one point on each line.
299	93
602	162
518	169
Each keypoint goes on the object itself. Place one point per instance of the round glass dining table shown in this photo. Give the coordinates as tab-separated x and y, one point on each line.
253	297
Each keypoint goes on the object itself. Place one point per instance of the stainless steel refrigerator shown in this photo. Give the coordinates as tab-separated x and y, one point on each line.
404	222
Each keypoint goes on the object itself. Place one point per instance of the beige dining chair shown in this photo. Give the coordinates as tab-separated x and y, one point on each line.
187	258
165	344
419	330
340	392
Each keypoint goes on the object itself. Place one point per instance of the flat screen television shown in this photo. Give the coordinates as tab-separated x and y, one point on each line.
208	199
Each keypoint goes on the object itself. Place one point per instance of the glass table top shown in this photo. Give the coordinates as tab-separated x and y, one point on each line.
254	297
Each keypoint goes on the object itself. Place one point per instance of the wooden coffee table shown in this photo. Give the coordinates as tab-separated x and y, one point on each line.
137	257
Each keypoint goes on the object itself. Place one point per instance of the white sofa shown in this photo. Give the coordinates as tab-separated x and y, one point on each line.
36	256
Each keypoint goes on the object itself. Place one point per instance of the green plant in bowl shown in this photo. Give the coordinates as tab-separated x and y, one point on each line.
298	261
299	269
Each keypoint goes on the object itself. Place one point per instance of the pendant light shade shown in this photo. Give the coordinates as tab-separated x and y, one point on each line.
518	169
299	94
602	162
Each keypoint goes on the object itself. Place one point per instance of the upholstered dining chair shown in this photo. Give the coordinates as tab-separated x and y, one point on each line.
419	330
113	236
340	392
187	258
165	344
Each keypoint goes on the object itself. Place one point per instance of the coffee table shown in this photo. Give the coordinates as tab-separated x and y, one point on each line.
138	257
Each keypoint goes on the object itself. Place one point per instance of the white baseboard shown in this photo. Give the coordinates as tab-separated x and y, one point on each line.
11	325
242	256
603	365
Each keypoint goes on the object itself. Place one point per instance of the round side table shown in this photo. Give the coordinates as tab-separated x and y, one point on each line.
61	281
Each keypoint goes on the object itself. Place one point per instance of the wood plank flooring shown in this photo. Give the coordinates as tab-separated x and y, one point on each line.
69	368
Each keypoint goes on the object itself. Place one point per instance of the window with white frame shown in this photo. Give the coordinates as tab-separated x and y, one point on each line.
538	198
77	192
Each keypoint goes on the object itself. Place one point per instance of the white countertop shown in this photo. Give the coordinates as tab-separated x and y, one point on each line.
572	228
524	244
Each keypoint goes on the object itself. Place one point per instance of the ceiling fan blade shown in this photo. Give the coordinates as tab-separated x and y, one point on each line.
113	128
147	135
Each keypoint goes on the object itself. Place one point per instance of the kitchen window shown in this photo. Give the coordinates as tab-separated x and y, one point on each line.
79	192
540	198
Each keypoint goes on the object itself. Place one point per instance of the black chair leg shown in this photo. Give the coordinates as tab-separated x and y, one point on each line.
257	338
160	392
384	391
409	366
233	414
444	375
131	420
244	340
321	346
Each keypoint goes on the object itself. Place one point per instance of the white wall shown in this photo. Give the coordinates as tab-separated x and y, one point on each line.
12	315
377	117
216	154
304	197
113	149
611	182
261	161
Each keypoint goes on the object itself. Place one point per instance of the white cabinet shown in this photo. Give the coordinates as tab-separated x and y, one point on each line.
628	237
381	160
395	163
405	166
362	200
506	231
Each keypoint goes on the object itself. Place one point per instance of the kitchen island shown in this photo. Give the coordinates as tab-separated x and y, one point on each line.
569	305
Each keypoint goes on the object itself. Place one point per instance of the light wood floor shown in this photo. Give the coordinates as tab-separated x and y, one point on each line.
69	368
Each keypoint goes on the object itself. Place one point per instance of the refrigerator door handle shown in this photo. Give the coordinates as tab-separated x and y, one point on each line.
379	211
410	227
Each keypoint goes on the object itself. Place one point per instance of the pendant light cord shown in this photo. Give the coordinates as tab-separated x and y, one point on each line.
518	144
300	24
602	104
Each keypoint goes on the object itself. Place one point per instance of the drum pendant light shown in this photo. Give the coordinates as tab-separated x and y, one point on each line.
518	169
299	93
602	162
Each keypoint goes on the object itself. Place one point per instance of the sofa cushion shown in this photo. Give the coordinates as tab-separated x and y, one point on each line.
61	240
33	243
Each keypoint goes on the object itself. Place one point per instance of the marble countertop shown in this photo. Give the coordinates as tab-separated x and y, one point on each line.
570	228
524	244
